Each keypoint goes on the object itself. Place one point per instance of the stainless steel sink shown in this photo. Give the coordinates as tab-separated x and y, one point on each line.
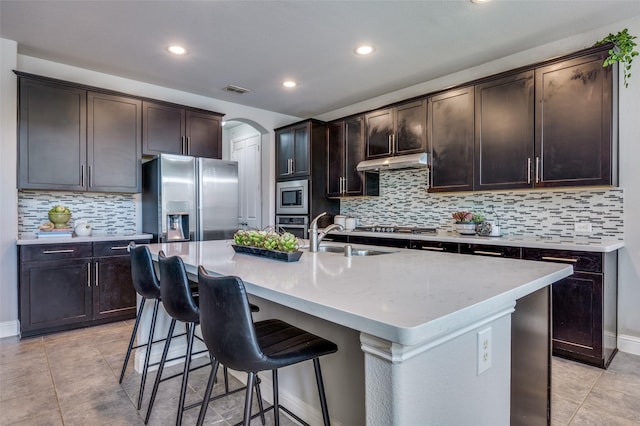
355	251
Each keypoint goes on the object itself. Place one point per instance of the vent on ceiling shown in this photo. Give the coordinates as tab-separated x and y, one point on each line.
235	89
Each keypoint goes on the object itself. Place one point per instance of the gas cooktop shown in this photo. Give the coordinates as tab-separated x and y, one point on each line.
399	229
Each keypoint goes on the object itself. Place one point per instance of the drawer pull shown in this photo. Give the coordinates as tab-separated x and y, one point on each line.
120	248
490	253
58	251
560	259
432	248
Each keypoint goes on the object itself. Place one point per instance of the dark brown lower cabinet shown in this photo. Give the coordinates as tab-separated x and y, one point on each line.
69	285
584	305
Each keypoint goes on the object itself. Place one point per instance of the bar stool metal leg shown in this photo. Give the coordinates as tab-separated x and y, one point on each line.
147	356
165	351
323	398
132	340
191	328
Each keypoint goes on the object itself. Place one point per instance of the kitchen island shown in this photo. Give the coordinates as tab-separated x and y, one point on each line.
417	315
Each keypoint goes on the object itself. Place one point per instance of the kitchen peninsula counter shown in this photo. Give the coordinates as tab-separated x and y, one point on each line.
417	314
30	239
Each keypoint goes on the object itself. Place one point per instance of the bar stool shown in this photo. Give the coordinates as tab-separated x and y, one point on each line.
181	304
234	340
145	281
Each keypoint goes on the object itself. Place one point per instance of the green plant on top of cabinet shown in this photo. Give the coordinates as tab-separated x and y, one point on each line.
504	132
345	149
396	130
73	139
174	129
293	148
450	126
574	127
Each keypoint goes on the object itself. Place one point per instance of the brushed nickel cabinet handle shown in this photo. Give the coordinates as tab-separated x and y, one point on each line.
82	175
120	248
529	170
90	176
88	274
390	143
537	169
293	166
432	248
560	259
97	275
58	251
188	145
490	253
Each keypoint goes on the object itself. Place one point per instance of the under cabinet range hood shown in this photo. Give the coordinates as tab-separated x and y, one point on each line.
409	161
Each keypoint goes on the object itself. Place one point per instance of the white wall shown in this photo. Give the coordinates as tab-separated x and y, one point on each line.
8	194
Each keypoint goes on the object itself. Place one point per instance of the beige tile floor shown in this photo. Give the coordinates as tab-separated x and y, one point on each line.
71	378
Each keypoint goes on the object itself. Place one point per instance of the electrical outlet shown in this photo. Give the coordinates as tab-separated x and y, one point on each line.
583	227
484	350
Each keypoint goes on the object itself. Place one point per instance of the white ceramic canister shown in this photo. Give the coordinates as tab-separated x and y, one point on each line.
350	223
340	219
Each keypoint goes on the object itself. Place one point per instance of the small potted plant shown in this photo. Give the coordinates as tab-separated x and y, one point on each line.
466	222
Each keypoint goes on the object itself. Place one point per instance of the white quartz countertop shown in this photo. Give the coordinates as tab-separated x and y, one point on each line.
33	239
578	243
408	296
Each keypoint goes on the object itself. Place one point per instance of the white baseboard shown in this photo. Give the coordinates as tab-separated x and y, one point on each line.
629	344
9	328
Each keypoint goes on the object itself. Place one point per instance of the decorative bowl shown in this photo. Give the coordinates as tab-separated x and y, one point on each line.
59	220
466	228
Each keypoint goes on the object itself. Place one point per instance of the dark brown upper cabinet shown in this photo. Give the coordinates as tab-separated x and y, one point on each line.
293	150
504	133
114	154
77	140
174	129
574	122
345	149
450	131
397	130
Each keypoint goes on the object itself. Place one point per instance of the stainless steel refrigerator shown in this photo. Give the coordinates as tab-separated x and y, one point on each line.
188	198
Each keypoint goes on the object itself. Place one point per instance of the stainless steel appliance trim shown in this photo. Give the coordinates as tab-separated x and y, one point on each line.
292	185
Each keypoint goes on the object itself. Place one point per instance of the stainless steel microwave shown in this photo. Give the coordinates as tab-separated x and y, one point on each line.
292	197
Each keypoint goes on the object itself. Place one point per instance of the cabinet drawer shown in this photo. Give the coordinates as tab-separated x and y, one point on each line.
54	251
489	250
434	246
581	260
113	248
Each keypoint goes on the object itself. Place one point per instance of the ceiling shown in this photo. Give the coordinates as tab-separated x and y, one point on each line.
259	44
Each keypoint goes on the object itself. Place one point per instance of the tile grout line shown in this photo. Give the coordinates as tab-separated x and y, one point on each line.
53	382
585	397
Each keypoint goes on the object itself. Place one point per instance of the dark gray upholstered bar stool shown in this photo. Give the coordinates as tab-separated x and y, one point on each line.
181	304
145	281
235	341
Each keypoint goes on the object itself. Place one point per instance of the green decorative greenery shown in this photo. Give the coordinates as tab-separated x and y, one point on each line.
623	51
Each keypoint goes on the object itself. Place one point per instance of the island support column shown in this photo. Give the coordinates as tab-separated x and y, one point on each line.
436	382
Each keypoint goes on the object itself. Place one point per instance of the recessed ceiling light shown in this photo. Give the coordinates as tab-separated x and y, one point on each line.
177	50
364	50
289	83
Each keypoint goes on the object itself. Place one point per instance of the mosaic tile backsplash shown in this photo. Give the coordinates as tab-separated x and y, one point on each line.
404	200
107	213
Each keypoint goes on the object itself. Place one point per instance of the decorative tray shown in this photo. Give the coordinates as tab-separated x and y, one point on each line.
271	254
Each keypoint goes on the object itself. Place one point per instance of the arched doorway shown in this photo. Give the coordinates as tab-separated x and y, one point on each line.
242	142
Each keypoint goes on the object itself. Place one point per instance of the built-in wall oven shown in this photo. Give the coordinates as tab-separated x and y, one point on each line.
297	225
292	197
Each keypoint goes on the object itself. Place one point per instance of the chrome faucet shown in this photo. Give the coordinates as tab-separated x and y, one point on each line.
315	236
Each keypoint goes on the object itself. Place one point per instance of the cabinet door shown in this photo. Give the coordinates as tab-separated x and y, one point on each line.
504	133
573	123
379	133
577	314
355	153
114	131
163	129
52	136
54	294
451	136
284	153
411	128
113	291
204	135
335	158
301	150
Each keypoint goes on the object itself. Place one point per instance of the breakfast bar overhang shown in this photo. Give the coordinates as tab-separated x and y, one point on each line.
418	314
